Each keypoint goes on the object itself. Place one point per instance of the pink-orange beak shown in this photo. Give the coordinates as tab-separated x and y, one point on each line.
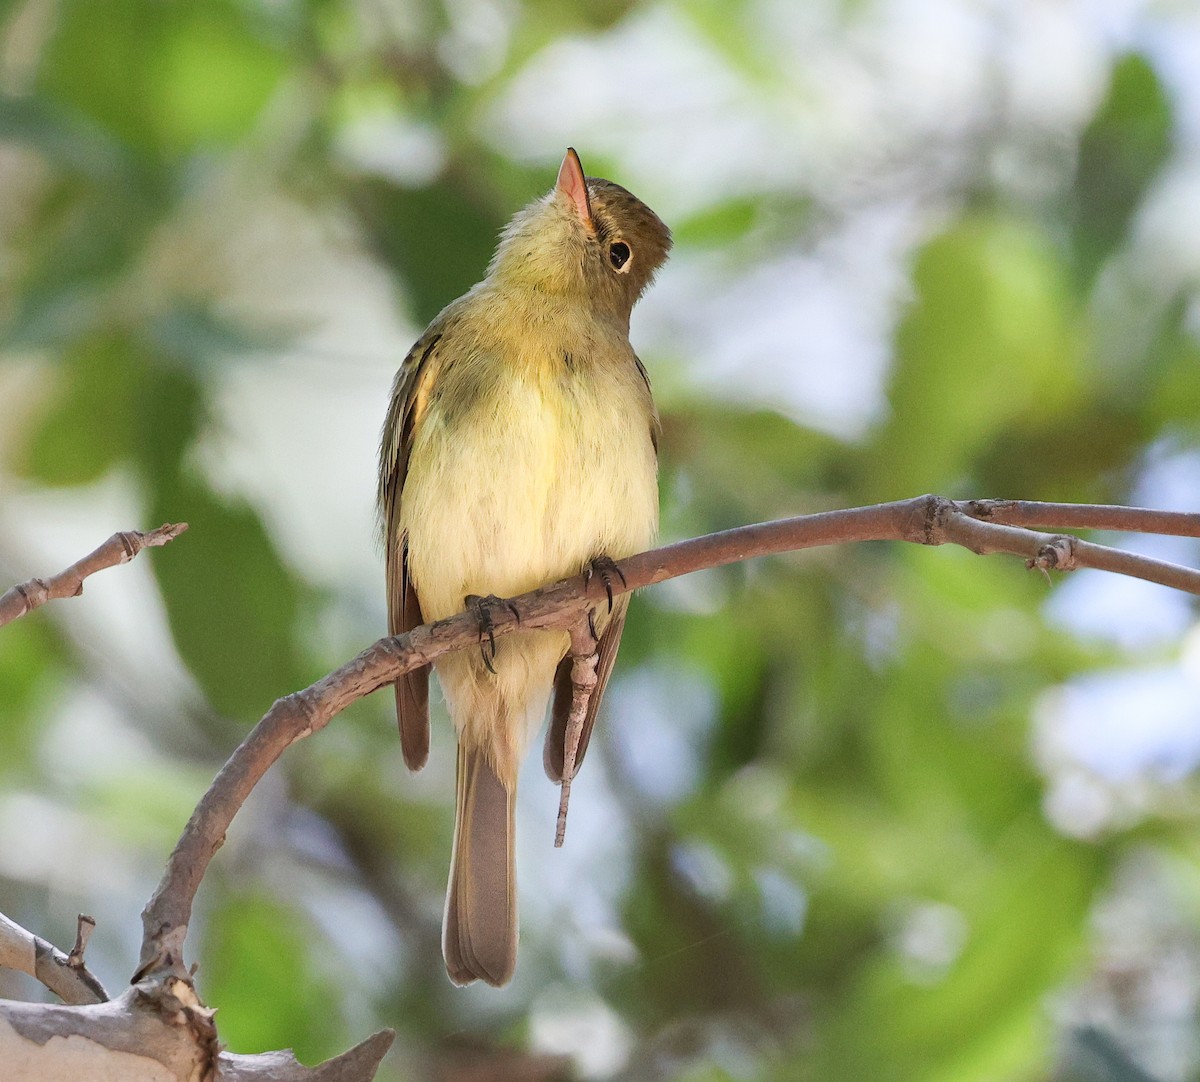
572	184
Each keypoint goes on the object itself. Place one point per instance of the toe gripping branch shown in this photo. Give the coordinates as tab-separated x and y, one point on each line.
483	607
606	568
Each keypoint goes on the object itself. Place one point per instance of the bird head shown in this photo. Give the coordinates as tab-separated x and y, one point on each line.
588	239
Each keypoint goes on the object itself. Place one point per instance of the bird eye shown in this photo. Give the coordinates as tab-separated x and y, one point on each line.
618	255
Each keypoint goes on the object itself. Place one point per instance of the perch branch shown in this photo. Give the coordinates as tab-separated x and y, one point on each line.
925	520
65	975
118	549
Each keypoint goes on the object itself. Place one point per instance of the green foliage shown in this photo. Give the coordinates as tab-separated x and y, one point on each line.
169	79
91	426
242	650
1120	154
400	221
30	668
258	966
990	340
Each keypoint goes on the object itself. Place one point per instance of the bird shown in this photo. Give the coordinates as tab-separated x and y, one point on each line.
520	447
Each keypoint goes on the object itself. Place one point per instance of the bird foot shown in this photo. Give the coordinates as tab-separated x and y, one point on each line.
606	567
483	608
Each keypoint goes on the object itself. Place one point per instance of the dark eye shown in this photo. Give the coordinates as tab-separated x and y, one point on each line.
618	254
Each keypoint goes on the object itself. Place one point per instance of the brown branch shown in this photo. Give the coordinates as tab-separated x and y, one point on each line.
65	975
118	549
926	520
1063	552
1084	516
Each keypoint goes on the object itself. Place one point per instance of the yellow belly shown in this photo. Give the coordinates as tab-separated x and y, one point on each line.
547	468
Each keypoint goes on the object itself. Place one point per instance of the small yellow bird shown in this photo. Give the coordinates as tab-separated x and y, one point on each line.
520	447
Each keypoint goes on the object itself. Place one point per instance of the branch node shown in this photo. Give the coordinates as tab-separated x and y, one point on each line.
927	525
1056	555
986	510
83	932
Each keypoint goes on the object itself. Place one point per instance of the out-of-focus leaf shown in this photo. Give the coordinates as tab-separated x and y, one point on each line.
732	31
172	411
197	332
1095	1057
989	341
164	79
1021	911
90	426
1121	152
216	76
1177	394
962	902
232	604
718	225
147	803
30	668
439	239
63	138
725	467
258	965
78	242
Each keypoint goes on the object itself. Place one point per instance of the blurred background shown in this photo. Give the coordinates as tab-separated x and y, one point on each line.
879	812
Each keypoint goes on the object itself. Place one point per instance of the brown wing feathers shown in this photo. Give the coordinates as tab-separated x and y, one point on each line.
404	607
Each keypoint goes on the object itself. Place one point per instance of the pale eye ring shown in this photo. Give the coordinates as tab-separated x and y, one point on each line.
619	256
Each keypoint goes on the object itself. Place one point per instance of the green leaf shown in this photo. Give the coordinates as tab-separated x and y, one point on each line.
90	425
30	671
146	804
163	78
438	238
1023	915
197	332
990	341
231	603
258	966
63	138
1120	154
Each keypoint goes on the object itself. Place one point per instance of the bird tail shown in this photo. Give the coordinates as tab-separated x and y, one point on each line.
479	929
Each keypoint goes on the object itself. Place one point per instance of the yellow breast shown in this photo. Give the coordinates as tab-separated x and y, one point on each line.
533	455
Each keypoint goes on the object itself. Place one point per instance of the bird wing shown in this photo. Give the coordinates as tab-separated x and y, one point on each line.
410	396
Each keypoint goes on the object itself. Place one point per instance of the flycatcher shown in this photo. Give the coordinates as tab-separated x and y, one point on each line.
520	446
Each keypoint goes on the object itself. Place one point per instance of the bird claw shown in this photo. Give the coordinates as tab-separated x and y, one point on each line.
482	608
606	568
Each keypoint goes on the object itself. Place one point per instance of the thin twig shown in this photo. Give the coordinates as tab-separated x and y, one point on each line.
118	549
926	520
1063	552
84	928
1082	516
24	951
